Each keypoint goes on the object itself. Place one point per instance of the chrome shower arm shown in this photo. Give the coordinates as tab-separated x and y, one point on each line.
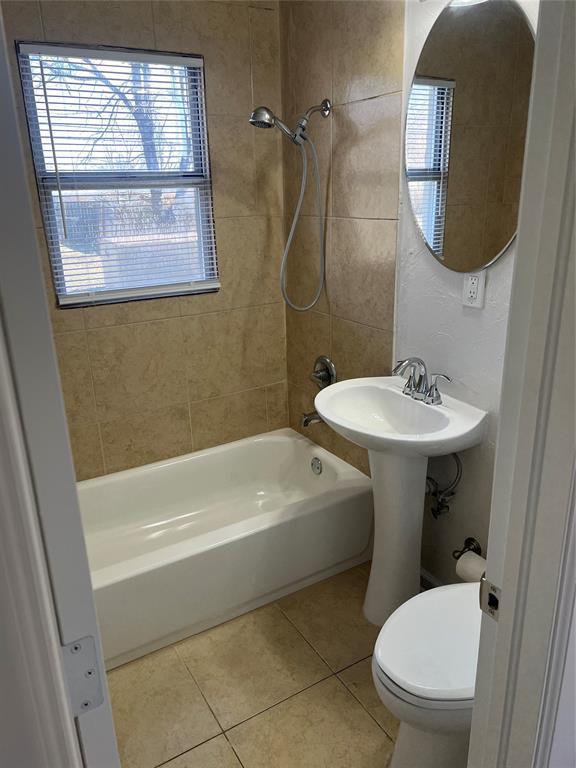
324	108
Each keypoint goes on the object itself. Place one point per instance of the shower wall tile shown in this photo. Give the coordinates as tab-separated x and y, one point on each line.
232	163
99	22
235	350
22	20
138	367
368	49
76	377
87	450
360	272
268	172
146	437
232	417
311	48
221	33
308	336
277	405
265	47
359	350
125	313
366	158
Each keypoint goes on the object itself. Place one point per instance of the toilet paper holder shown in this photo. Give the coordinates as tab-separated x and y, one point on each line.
470	545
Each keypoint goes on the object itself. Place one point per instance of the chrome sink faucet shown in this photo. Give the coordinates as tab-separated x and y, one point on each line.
419	386
417	383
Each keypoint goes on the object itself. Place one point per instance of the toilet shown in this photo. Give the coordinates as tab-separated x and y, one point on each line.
424	669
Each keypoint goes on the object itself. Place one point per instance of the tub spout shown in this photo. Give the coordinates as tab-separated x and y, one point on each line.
310	418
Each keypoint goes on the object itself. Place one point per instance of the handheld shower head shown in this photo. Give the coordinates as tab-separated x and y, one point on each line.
262	117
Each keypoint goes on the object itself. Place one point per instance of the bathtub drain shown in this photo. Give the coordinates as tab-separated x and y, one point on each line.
316	465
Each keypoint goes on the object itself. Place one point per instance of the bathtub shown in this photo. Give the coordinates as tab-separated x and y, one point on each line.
181	545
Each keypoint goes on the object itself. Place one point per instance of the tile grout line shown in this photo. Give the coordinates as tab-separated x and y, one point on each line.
277	604
178	316
364	707
187	751
197	684
278	703
97	413
349	666
233	748
41	15
153	19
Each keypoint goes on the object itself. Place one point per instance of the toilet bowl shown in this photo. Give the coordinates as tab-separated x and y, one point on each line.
424	670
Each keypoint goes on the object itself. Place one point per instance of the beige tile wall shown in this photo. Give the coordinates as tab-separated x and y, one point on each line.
147	380
352	53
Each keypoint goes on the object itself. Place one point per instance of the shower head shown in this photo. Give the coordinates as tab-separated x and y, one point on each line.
262	117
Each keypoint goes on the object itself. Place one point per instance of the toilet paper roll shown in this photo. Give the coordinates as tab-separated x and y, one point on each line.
470	566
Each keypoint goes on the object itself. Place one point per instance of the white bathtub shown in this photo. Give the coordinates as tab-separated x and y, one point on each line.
181	545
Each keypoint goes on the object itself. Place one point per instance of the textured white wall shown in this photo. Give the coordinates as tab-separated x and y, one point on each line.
468	344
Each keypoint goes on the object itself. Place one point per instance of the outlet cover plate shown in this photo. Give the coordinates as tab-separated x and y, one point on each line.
473	289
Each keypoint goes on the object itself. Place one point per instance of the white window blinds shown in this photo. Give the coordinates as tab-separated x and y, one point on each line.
121	156
428	125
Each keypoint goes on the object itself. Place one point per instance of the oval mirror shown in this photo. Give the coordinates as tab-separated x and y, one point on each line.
465	131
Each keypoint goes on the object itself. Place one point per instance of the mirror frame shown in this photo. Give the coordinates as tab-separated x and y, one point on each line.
414	219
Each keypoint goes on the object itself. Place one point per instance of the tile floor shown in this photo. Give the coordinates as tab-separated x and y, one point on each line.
286	686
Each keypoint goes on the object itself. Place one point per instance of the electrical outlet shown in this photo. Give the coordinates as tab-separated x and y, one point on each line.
473	289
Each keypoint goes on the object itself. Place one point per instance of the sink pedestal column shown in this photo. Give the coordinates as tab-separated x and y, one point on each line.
399	484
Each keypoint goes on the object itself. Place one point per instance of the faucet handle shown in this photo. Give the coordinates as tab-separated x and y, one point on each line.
433	396
399	368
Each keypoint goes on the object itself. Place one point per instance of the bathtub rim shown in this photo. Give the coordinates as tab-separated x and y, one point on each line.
286	432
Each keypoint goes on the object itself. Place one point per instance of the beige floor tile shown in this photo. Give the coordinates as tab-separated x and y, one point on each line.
322	727
158	710
329	615
251	663
216	753
358	679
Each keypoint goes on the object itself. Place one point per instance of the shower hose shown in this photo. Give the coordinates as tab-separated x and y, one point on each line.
322	255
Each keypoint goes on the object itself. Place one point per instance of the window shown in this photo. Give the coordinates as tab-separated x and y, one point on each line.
121	157
428	127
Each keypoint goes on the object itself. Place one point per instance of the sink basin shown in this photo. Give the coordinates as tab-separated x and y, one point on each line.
400	434
375	414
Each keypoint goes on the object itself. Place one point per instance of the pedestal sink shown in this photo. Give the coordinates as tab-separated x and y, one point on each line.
400	434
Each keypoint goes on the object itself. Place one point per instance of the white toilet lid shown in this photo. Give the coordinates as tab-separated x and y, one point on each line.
429	646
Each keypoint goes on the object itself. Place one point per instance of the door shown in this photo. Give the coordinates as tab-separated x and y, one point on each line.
531	547
46	590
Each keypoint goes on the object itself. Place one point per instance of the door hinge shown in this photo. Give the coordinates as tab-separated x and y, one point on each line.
490	598
81	665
